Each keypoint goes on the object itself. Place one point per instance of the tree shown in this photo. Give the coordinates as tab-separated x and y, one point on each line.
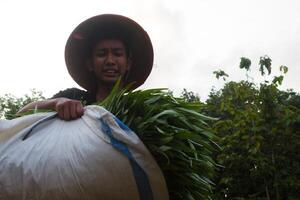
259	127
9	104
190	96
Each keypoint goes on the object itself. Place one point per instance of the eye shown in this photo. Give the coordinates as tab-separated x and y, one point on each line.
100	53
119	53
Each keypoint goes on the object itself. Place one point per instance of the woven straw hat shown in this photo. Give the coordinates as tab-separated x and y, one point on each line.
136	39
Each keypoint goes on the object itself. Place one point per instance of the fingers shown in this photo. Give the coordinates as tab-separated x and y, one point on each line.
72	111
60	111
66	112
69	109
79	109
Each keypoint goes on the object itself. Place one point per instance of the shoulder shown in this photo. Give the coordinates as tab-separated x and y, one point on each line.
76	94
71	93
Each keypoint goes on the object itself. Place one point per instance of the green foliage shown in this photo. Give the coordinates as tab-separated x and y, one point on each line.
283	69
265	63
220	73
10	105
259	130
176	134
189	96
277	80
245	63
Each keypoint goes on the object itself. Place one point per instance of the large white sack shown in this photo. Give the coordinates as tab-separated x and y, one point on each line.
92	158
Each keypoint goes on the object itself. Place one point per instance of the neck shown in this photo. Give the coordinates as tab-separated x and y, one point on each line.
103	91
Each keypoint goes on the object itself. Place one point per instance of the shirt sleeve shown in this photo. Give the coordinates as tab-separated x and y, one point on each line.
71	93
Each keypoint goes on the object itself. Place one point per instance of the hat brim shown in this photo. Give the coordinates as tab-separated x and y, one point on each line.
77	48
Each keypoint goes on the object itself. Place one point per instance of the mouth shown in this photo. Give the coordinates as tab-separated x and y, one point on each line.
111	72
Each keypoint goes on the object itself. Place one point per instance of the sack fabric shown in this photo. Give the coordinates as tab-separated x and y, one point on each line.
91	158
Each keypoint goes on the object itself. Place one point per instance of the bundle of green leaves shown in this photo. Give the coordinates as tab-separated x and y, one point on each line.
176	134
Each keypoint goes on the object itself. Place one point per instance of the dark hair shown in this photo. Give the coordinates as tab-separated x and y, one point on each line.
108	35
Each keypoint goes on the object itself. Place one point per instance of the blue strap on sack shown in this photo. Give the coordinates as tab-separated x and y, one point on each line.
141	178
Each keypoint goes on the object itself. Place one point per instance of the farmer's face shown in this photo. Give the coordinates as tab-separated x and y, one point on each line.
109	61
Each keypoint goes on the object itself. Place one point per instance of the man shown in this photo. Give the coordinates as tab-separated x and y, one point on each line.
98	52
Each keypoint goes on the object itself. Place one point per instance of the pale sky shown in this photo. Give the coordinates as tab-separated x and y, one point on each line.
191	39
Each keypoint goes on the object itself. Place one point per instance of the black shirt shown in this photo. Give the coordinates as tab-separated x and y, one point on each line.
74	93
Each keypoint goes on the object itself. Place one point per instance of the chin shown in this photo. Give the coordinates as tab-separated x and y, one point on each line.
109	81
106	80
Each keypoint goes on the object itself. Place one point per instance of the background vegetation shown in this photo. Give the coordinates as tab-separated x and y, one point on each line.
258	128
259	131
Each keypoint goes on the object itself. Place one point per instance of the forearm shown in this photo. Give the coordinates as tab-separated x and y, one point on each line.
45	104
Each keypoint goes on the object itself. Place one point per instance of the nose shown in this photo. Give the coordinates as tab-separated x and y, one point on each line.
110	59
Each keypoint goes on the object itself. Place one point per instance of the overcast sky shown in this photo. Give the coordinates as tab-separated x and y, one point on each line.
191	39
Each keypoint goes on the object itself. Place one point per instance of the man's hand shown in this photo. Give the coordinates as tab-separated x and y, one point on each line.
68	109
